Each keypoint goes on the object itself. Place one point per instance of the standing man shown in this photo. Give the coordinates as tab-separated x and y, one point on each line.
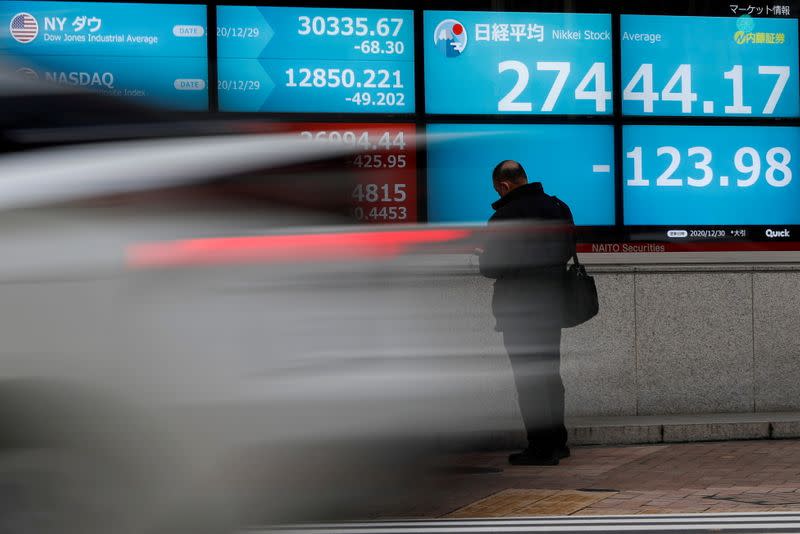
528	261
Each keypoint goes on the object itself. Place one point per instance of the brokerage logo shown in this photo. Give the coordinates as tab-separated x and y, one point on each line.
777	234
746	34
450	37
759	38
24	28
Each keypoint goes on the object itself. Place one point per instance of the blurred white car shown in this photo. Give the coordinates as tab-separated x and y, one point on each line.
195	337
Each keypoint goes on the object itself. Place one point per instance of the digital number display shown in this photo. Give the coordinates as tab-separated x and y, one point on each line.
517	63
285	59
461	159
157	53
385	161
711	175
710	66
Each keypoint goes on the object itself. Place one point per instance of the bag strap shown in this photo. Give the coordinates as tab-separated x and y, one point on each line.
564	212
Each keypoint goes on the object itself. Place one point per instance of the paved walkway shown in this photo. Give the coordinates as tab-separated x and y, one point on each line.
719	477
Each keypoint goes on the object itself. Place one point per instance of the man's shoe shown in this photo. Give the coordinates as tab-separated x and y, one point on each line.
533	457
562	452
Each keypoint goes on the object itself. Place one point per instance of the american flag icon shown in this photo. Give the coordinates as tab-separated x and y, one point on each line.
24	28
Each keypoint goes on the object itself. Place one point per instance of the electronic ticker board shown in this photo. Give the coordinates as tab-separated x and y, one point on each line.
710	66
155	53
517	63
461	158
286	59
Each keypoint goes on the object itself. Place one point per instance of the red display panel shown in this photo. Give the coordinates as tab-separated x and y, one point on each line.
386	165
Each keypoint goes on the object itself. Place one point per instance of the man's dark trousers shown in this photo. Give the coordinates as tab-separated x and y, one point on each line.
532	336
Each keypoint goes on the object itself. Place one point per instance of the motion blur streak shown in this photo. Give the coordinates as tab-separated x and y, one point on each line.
67	173
318	373
285	248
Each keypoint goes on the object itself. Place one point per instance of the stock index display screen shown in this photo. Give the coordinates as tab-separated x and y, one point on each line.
710	66
462	157
694	138
289	59
385	164
669	121
719	162
517	63
711	175
154	53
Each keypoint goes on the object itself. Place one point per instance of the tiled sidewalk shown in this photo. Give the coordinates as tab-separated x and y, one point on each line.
744	476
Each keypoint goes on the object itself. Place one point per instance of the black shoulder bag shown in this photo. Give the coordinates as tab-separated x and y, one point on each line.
580	291
580	295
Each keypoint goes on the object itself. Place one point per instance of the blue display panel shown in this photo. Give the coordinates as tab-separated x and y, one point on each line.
517	63
461	159
156	53
710	66
711	175
286	59
92	29
175	83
